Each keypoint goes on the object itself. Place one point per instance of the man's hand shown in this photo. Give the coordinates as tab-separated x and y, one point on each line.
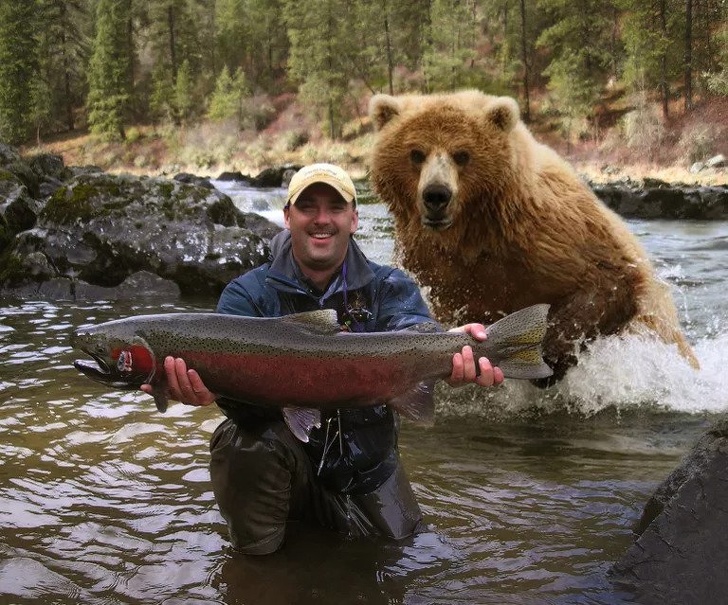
184	385
464	370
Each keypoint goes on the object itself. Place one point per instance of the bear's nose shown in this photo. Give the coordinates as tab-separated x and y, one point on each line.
436	197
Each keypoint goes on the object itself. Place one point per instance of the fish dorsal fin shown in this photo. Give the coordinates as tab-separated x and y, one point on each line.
417	404
301	421
323	321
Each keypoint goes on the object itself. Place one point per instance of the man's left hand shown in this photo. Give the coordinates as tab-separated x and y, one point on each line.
464	368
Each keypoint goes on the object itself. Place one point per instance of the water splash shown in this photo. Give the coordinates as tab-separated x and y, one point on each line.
617	373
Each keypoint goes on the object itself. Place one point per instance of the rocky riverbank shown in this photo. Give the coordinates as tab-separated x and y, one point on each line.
82	234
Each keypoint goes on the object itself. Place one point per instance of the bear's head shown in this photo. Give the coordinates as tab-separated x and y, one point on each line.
440	157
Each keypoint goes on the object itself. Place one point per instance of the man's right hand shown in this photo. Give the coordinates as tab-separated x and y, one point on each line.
184	385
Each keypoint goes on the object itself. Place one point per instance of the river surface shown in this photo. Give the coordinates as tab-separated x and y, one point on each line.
529	496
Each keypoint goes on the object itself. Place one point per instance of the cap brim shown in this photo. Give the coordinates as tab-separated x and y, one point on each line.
346	195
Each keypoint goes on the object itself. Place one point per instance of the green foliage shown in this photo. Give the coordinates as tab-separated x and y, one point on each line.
319	36
109	71
62	62
449	57
18	67
582	53
573	96
184	97
161	100
229	96
63	54
252	34
717	79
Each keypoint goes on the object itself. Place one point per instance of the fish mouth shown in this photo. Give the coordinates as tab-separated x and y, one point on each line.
100	371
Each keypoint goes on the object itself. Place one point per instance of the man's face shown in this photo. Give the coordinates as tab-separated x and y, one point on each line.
320	223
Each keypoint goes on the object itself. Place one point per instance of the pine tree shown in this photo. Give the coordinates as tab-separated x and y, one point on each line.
227	99
63	57
652	60
319	37
449	58
385	34
582	55
110	86
18	68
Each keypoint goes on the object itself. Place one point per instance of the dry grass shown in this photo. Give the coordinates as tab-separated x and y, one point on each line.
637	144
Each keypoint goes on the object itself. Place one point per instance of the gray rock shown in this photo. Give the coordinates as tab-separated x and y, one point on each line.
98	230
717	161
682	549
655	199
18	210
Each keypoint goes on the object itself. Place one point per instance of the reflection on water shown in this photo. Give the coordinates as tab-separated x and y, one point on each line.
529	501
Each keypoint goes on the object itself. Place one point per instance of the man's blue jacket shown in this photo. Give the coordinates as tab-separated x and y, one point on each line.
367	298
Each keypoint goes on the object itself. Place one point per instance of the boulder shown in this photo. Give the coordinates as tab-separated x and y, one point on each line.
682	545
98	230
655	199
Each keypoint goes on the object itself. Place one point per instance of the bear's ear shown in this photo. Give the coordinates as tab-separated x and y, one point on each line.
382	108
504	113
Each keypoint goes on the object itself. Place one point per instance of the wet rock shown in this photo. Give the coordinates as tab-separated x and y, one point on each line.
656	199
97	230
186	177
49	165
275	177
682	548
18	210
236	176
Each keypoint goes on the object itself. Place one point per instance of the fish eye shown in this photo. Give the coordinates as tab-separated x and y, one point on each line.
461	158
417	156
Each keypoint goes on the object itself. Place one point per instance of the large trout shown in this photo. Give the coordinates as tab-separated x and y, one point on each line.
303	363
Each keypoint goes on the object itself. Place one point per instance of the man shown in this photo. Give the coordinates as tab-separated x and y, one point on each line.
348	477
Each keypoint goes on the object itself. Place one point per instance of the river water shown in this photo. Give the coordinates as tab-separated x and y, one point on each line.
529	495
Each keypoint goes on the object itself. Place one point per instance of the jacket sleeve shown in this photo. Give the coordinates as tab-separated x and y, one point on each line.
239	297
401	305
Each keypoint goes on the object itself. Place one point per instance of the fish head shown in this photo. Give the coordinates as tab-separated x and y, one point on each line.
119	360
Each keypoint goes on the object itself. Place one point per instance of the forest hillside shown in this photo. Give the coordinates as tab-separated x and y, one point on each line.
618	86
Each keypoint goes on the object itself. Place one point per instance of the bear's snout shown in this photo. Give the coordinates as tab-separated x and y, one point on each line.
436	200
436	197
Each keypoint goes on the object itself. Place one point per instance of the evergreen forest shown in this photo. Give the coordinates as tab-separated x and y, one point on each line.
108	65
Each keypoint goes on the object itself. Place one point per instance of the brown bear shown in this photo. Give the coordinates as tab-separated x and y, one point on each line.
493	221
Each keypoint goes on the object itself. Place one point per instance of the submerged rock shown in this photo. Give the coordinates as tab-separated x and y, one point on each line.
682	548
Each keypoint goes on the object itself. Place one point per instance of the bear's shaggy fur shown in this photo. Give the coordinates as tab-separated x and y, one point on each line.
494	221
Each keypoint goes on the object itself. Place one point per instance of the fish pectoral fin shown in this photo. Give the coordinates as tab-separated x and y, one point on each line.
301	421
159	392
417	404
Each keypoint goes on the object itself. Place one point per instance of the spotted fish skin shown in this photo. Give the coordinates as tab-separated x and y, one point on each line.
302	360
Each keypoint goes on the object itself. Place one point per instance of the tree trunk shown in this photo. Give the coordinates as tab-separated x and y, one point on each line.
525	61
172	44
664	85
688	55
390	60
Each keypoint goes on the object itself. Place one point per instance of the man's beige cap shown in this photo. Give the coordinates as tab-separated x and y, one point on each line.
322	173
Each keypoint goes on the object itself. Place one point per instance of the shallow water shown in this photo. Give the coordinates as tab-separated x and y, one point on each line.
529	495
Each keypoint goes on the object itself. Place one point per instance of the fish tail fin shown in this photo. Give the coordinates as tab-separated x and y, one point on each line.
515	342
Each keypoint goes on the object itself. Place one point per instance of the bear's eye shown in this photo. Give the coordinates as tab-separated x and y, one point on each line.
461	157
417	156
